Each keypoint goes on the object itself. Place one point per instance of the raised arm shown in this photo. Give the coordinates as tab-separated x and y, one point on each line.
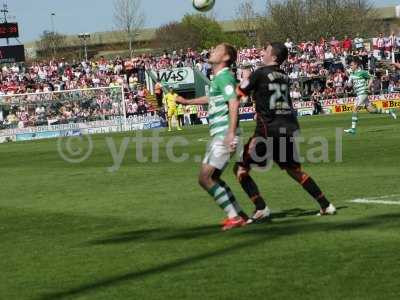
197	101
247	84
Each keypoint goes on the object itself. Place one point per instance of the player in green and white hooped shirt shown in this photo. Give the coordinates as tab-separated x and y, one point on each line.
361	82
223	108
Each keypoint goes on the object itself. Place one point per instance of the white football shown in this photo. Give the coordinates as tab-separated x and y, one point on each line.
203	5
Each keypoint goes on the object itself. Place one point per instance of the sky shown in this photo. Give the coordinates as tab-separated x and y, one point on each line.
75	16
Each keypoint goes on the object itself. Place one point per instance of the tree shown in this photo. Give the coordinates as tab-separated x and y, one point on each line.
342	17
247	20
171	36
48	42
239	40
311	19
129	18
286	19
193	31
202	32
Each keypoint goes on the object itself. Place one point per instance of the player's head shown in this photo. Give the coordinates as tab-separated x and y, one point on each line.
223	54
275	54
355	64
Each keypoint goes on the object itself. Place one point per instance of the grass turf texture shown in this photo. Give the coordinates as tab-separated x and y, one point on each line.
147	231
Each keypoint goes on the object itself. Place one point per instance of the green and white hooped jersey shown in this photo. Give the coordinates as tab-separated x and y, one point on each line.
223	89
360	79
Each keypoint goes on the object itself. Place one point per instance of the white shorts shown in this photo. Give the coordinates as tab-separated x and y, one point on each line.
362	100
218	154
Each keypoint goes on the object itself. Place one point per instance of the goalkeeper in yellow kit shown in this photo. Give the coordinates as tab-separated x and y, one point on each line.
170	102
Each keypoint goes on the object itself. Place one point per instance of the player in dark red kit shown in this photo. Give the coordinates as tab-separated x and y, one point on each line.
275	131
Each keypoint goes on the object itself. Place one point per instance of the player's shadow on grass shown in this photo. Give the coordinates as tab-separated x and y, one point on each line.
279	230
298	212
157	234
305	227
126	237
190	233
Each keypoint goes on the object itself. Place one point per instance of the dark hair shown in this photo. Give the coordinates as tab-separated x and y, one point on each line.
280	51
232	52
356	60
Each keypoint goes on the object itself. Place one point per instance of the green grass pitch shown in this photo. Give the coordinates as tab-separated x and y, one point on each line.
147	231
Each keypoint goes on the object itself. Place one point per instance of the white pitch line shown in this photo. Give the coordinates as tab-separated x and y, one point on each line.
367	201
389	199
203	140
385	197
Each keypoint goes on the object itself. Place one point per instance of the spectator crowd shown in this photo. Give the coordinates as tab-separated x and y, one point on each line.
317	69
320	69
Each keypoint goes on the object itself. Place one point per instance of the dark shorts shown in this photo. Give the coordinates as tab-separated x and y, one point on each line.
260	151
